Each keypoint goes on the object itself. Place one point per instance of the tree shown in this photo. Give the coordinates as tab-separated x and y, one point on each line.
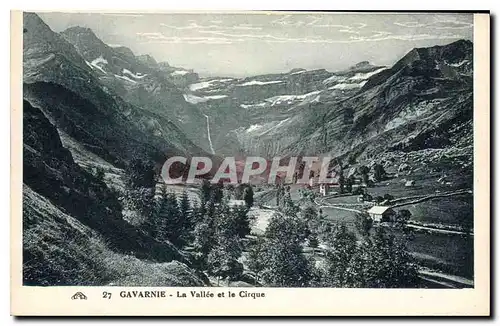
387	262
141	200
351	159
348	183
307	194
223	259
186	218
255	258
388	197
284	263
287	206
311	218
379	173
140	174
206	191
342	181
312	240
363	170
342	248
403	216
98	173
171	223
217	193
248	196
363	224
203	243
280	191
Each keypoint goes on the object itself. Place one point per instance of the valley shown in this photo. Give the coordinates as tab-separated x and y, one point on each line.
100	121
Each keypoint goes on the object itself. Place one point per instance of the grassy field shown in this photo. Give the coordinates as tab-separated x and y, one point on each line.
425	184
446	252
449	210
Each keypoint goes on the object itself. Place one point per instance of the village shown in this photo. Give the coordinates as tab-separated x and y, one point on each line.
385	195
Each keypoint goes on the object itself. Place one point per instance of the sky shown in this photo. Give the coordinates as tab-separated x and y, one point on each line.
246	44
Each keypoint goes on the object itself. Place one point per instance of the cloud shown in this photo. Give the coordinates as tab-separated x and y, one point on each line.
158	38
348	31
354	32
441	22
372	37
122	14
195	26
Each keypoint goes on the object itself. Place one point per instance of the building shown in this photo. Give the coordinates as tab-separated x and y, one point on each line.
236	202
382	214
323	189
410	183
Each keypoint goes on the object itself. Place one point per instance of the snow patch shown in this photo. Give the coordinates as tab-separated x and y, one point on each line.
131	74
289	99
254	127
458	64
258	82
95	63
193	99
334	79
257	105
362	76
412	113
126	78
298	72
206	84
179	73
348	86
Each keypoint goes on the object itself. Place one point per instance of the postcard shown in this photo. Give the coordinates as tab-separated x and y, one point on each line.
250	163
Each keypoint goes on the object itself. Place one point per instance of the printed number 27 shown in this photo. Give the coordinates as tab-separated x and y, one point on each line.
106	295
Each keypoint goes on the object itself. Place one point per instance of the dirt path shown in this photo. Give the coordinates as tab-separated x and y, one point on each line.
413	200
419	199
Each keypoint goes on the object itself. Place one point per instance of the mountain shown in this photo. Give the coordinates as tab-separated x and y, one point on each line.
75	230
141	81
422	101
413	105
67	213
62	83
92	110
248	114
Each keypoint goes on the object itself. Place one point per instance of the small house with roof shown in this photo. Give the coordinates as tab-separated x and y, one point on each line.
236	202
410	183
382	214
